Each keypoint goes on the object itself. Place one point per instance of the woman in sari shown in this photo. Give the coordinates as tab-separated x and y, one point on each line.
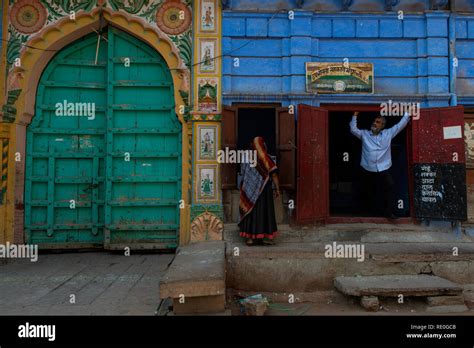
257	212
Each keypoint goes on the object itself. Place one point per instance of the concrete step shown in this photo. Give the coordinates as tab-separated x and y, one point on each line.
387	252
395	285
436	301
196	279
469	295
288	267
447	309
364	233
443	296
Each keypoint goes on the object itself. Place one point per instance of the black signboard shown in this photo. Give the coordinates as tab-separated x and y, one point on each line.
440	191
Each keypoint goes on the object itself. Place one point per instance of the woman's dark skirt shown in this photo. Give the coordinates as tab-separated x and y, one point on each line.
260	222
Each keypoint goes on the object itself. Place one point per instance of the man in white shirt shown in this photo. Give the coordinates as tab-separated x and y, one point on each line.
376	158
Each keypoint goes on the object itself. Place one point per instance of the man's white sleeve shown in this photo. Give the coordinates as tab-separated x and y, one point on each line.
399	126
354	130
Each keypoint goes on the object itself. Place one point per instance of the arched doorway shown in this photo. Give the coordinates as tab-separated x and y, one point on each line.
104	154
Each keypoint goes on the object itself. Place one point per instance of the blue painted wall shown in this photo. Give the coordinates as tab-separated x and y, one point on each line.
410	56
465	55
332	5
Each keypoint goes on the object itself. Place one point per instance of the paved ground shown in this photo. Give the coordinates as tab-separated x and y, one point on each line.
103	283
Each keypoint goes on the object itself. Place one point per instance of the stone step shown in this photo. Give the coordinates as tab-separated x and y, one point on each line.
469	295
395	285
447	309
304	267
386	252
196	278
199	305
365	233
445	300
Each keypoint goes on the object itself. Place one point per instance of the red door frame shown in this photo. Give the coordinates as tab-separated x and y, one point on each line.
377	220
312	158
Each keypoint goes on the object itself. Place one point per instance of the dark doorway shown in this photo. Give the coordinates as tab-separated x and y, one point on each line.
254	122
347	192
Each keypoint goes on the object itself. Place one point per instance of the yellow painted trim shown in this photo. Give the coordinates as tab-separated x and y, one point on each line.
5	233
221	58
59	35
3	58
217	75
197	20
4	134
4	129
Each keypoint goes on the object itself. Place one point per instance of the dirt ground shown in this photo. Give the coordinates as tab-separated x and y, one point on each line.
330	303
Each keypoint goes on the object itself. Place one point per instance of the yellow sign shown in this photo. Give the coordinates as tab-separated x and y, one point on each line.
340	77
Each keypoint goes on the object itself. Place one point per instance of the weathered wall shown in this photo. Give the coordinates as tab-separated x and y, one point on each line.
265	51
465	92
464	6
332	5
410	56
465	55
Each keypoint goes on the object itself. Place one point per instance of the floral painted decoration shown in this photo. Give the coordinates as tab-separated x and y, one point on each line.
173	18
28	16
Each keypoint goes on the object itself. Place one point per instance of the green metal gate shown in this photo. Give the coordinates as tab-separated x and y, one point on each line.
110	178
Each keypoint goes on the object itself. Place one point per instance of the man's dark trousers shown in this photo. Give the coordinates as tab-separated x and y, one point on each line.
379	184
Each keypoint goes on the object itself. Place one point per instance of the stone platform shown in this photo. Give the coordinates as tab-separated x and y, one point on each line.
443	296
196	279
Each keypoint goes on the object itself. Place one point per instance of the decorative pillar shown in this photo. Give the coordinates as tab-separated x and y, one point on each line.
206	210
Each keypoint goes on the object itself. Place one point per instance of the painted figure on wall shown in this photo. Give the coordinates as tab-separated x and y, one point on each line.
207	95
207	60
206	144
208	19
207	140
207	16
207	186
206	180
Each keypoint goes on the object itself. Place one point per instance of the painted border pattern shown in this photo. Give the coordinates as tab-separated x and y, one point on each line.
207	85
179	33
4	175
206	90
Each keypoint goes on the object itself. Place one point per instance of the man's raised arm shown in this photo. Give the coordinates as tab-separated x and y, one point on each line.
400	125
354	130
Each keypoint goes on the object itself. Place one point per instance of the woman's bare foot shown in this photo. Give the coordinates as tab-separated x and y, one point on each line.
249	242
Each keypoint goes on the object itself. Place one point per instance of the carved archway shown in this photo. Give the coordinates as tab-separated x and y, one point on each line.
34	60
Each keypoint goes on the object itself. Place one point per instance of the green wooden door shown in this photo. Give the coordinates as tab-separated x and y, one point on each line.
142	194
110	178
65	163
